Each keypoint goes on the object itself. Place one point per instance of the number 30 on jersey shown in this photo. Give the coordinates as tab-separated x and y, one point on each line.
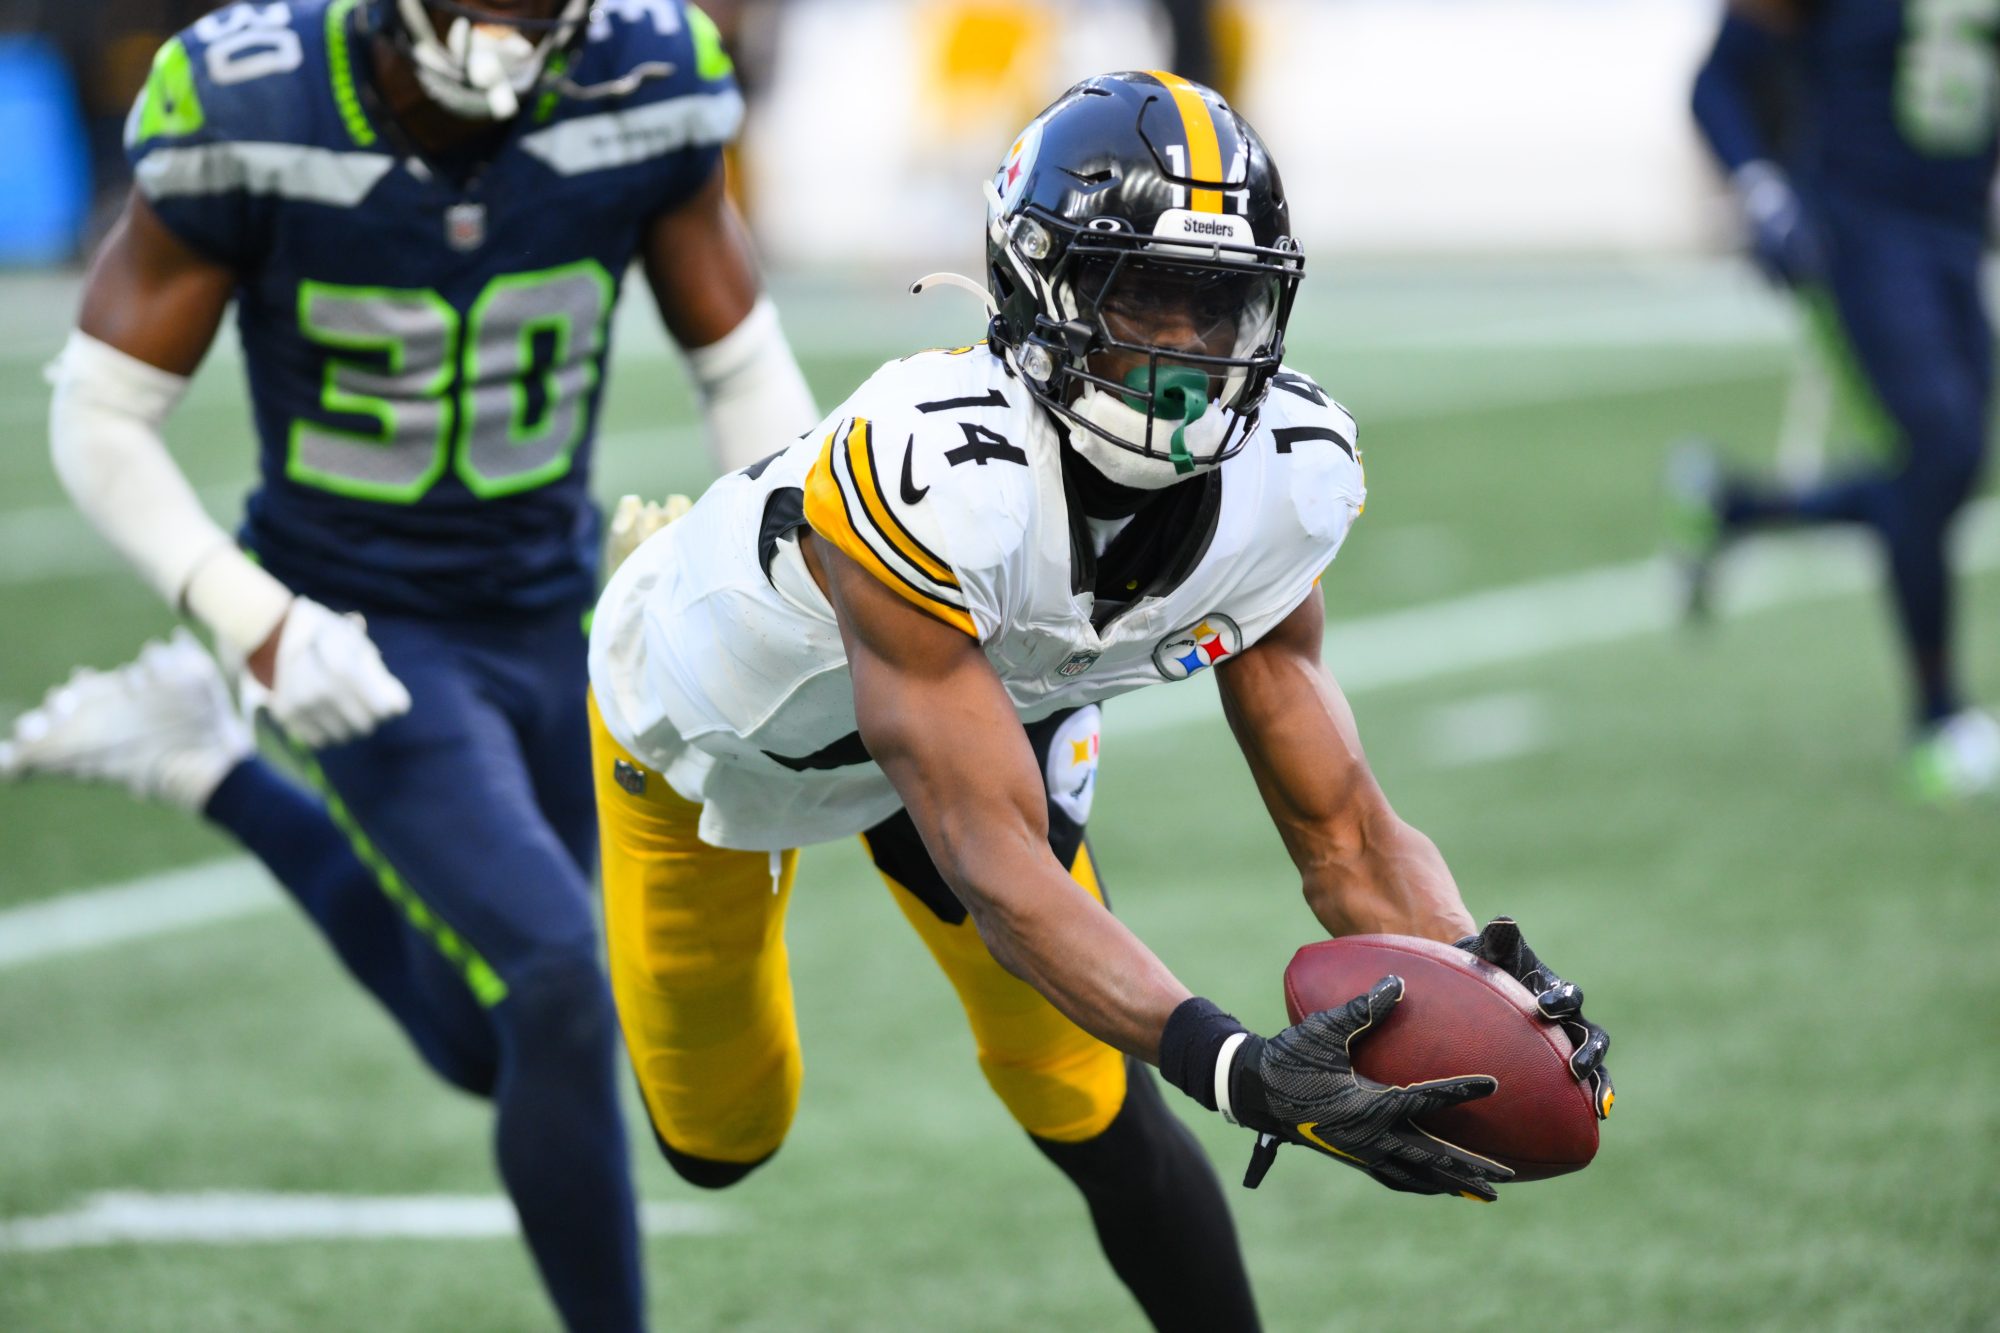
501	397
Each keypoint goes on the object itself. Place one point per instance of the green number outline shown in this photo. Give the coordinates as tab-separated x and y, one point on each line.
518	432
1956	31
335	399
454	443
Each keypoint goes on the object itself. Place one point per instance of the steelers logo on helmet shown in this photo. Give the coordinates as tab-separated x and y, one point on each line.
1013	174
1140	257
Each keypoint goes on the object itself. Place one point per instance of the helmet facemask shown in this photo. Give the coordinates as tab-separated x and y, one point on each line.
1160	350
481	65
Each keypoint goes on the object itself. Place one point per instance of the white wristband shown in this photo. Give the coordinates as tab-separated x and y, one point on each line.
1224	1058
234	596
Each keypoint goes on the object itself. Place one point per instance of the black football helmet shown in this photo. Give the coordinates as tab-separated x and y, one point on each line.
1141	201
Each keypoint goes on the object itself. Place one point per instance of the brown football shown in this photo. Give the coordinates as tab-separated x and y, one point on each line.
1459	1015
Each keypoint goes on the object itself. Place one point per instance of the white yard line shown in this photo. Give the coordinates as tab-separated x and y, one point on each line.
1486	729
1556	615
49	543
231	1218
150	905
44	543
1483	630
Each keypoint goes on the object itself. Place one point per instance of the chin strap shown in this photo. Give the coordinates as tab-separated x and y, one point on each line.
960	281
619	87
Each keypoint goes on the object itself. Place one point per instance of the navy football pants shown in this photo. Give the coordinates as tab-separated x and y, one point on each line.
449	865
1907	292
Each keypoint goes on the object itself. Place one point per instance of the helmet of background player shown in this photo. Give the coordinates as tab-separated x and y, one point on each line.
1139	251
478	61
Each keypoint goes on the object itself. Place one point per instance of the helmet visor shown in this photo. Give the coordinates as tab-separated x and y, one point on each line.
1219	318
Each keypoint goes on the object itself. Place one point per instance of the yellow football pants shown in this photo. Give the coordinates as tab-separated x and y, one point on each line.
704	992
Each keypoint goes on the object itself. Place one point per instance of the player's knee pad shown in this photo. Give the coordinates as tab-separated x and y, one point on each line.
1065	1088
1946	453
468	1071
560	1012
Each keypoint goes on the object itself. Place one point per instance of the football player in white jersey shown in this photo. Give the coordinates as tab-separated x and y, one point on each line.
900	627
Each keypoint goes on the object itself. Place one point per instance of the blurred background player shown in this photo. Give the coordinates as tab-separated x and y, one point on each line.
1879	212
423	214
900	627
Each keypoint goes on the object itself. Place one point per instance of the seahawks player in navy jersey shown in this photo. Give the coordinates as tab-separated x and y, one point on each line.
1878	211
422	211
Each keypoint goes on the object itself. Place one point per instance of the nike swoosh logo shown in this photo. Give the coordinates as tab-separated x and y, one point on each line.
910	492
1306	1132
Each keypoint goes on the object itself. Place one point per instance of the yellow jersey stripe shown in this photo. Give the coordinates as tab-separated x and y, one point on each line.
875	502
1204	148
828	515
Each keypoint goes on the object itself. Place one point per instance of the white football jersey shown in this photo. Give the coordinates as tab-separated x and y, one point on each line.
717	662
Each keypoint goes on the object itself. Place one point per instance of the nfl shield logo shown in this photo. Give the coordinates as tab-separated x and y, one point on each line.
465	227
1078	662
629	776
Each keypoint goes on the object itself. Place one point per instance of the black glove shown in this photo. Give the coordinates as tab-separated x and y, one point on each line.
1560	1002
1300	1087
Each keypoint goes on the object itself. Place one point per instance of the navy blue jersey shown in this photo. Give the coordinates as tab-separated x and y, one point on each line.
425	342
1900	102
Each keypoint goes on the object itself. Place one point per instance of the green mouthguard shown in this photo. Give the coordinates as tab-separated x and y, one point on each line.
1178	393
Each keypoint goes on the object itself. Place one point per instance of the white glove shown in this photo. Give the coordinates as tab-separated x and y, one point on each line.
329	684
633	521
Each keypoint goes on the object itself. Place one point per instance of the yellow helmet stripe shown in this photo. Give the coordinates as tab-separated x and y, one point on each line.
1204	148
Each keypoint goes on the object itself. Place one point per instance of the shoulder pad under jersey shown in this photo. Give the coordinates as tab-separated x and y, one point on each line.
650	89
675	46
1318	446
925	479
253	103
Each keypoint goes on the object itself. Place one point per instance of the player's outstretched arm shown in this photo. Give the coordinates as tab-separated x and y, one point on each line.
937	720
935	717
1363	868
151	307
703	273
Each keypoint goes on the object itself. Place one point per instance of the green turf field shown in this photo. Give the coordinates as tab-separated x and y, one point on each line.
1796	966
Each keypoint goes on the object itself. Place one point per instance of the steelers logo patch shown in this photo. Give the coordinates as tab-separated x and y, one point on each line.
1198	647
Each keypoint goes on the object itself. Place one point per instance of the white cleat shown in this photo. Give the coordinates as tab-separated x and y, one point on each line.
1957	758
163	727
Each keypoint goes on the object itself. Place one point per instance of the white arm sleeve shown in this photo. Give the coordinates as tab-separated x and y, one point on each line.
753	395
104	437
